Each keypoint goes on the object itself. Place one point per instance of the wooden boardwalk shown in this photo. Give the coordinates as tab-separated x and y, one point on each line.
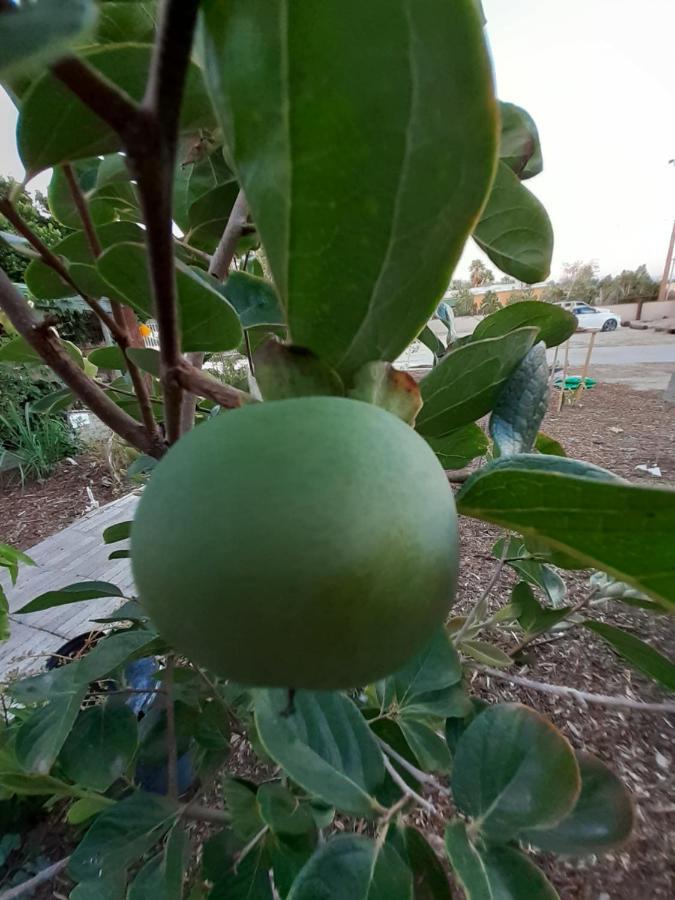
75	554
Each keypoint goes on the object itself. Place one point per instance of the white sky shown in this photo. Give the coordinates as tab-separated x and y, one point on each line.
598	76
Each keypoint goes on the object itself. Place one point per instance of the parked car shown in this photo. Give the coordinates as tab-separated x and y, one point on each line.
593	318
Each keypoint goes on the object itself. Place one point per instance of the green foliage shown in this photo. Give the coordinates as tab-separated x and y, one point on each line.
37	442
480	274
489	303
35	212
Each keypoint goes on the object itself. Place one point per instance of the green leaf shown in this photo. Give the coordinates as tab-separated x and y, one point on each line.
602	818
637	653
146	358
283	811
124	21
283	371
118	532
56	127
457	448
555	324
208	323
466	384
233	880
486	653
513	770
54	403
429	879
382	385
39	33
349	867
514	230
100	746
532	571
61	203
107	886
324	745
430	750
548	445
108	358
35	785
531	615
254	299
86	808
400	146
11	558
519	146
242	804
449	701
45	284
120	835
494	873
40	738
4	615
590	517
467	863
161	878
437	666
522	404
18	350
72	593
431	342
209	215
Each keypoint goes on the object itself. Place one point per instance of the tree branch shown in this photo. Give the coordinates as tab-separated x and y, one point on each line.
83	211
34	882
581	697
197	382
405	787
46	344
224	254
52	260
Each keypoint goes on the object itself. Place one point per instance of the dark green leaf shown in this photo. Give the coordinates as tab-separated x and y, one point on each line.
400	146
532	617
45	284
108	358
486	653
35	785
637	653
519	146
54	403
161	878
431	342
146	358
4	615
124	21
283	371
108	886
39	33
100	746
114	533
583	512
72	593
56	127
242	804
324	745
467	863
449	701
382	385
514	770
40	738
531	570
602	818
208	322
521	405
457	448
513	876
11	558
120	835
18	350
548	445
209	215
254	299
514	229
555	324
434	668
466	383
430	750
84	809
429	879
349	867
283	811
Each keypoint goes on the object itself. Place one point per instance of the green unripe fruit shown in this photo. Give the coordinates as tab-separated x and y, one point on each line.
308	543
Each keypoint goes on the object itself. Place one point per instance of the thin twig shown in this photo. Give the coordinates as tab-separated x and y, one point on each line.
581	697
171	746
34	882
52	260
482	600
197	382
198	813
222	258
405	787
82	211
244	852
418	774
44	340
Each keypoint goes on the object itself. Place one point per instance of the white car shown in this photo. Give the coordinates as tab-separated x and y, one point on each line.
592	318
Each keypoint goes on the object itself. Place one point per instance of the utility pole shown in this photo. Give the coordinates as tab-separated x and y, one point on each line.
668	268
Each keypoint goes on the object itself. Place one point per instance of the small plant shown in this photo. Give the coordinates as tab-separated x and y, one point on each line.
38	442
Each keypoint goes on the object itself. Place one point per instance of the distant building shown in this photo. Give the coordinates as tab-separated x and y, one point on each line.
503	291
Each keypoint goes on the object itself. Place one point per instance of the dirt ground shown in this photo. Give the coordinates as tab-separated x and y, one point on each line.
31	512
611	426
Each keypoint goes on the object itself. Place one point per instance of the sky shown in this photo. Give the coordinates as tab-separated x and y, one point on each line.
598	76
